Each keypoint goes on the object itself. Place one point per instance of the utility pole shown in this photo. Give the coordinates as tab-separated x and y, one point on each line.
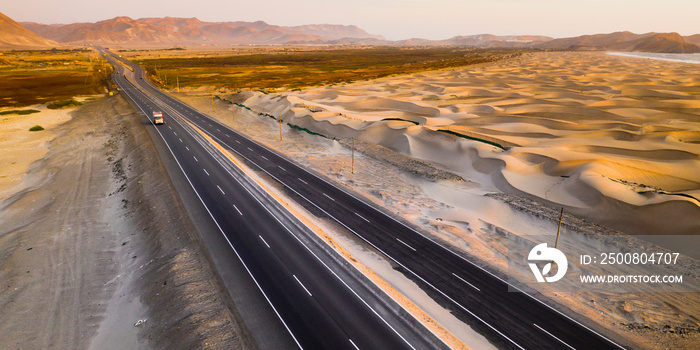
280	128
561	215
178	83
233	113
353	156
212	103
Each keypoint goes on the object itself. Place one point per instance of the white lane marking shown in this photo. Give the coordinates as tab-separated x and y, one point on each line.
302	285
250	149
236	252
404	243
180	139
305	183
217	129
238	142
205	170
169	127
263	239
187	148
283	169
361	217
329	197
195	159
210	124
227	135
222	191
264	157
465	281
175	133
239	212
552	335
353	344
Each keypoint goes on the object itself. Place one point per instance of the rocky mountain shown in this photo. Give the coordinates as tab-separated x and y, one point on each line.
626	41
168	31
15	36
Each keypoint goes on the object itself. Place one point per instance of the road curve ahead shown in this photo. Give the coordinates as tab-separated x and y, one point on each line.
510	320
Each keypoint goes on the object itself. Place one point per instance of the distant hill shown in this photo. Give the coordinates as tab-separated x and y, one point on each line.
665	42
168	31
171	31
626	41
15	36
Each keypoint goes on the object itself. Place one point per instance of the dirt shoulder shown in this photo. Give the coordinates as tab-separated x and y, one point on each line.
96	250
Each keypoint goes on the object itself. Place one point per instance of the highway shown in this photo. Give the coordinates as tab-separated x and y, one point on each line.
311	298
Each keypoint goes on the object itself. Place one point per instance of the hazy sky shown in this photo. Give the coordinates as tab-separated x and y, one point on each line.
395	19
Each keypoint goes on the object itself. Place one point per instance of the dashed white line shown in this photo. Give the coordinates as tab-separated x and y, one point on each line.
180	139
217	129
353	344
404	243
227	135
169	127
238	210
361	217
238	142
302	285
283	169
195	159
263	239
205	170
250	149
305	183
329	197
552	335
222	191
187	148
263	157
465	281
175	133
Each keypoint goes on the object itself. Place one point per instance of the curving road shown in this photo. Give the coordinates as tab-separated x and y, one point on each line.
307	291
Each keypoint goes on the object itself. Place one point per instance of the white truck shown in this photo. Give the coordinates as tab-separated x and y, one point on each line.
158	118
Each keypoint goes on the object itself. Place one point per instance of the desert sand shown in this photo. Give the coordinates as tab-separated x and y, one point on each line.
455	189
589	132
96	251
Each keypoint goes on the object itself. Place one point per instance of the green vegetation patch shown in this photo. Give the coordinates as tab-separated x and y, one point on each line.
36	128
20	111
472	138
63	104
294	68
401	120
297	127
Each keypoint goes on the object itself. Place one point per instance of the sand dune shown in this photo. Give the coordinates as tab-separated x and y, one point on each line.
599	134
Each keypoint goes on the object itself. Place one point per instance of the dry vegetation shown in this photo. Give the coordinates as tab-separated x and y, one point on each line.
271	69
30	77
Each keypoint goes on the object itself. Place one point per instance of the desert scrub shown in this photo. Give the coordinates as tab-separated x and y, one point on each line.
63	104
20	111
36	128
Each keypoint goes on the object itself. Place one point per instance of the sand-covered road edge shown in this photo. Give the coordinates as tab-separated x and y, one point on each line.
99	252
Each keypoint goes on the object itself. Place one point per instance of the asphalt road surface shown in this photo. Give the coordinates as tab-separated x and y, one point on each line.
317	307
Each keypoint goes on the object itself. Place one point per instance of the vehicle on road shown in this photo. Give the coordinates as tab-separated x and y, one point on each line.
158	118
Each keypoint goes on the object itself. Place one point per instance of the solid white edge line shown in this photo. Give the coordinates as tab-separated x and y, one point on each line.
404	243
301	284
318	258
465	281
552	335
227	240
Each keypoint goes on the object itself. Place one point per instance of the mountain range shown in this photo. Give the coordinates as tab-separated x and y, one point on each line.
168	31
